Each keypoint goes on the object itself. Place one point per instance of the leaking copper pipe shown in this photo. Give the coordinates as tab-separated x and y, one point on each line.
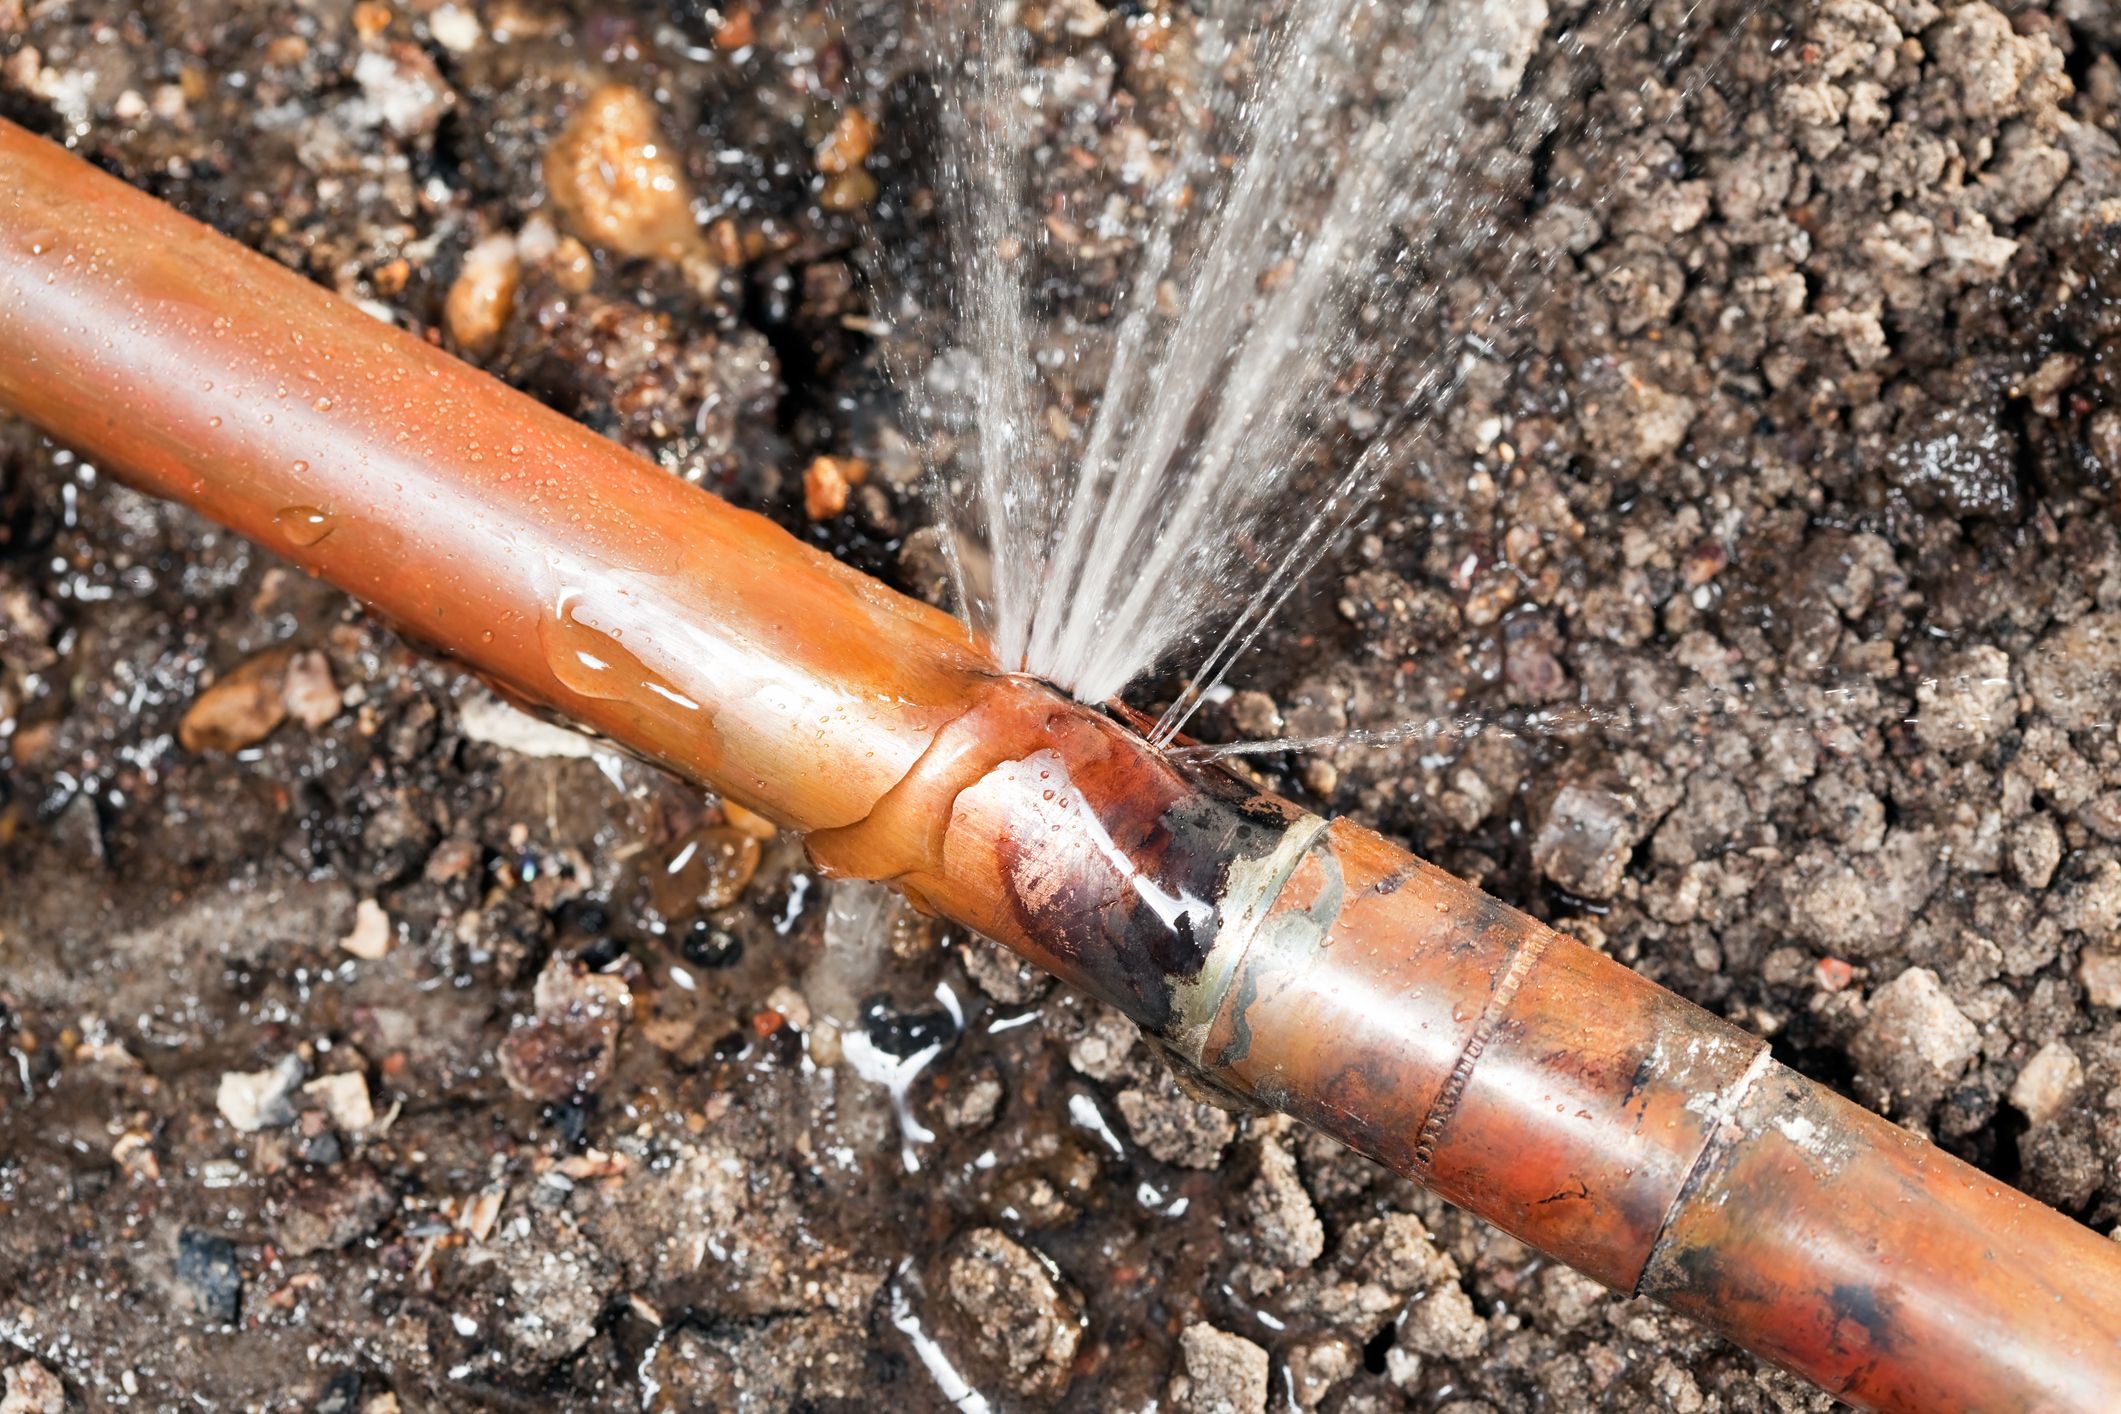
1277	958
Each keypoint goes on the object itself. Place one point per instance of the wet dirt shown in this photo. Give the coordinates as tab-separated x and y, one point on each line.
1785	487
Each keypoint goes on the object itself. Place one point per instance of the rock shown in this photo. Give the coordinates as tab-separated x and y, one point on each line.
2099	969
322	1210
558	1282
489	720
1174	1128
32	1389
1444	1323
1916	1042
401	89
483	295
1959	460
1862	906
1584	844
372	933
2050	1080
826	483
704	871
565	1049
243	707
1001	974
972	1100
2034	849
255	1100
345	1101
1023	1324
308	693
1316	1368
617	183
1969	704
1284	1224
2073	672
206	1267
1218	1373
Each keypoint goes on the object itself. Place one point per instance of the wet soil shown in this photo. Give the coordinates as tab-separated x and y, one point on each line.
368	1047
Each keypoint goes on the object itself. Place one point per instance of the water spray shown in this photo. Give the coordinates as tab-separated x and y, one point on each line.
1278	959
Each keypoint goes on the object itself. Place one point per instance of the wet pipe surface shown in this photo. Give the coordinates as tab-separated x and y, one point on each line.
1317	968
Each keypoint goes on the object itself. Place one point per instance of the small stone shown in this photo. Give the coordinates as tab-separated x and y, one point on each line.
484	294
2050	1080
1284	1223
402	90
455	28
1219	1373
824	489
1175	1128
206	1267
703	871
32	1389
755	825
971	1101
848	145
616	182
1917	1041
2100	972
241	709
567	1047
1969	704
323	1210
255	1100
345	1100
308	692
2034	849
1444	1324
372	934
1001	974
2073	672
1256	716
1023	1324
1586	841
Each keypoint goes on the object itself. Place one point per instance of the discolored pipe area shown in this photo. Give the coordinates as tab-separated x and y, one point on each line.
1278	958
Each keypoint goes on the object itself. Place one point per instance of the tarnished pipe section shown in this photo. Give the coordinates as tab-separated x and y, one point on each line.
1310	966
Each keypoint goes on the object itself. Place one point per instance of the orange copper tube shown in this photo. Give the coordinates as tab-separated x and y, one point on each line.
1278	958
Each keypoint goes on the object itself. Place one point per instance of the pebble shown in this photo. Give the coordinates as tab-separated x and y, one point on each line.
827	482
255	1100
1174	1128
2100	972
206	1267
309	694
2050	1080
1219	1373
345	1101
1586	840
1025	1324
484	294
323	1210
32	1389
1917	1041
617	184
566	1049
242	708
2072	672
372	934
1970	703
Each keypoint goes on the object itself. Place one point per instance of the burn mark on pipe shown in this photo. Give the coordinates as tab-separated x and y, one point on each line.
1454	1087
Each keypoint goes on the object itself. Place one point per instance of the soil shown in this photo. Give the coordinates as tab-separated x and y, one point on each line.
360	1052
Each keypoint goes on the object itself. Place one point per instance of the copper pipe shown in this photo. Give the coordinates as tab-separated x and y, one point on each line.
1277	957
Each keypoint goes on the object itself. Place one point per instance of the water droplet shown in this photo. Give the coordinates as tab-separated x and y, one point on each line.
305	525
213	422
591	661
301	468
323	405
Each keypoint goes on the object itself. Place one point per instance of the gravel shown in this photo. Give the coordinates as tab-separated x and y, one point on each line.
1768	540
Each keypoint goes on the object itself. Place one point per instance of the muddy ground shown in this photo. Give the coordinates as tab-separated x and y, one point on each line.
360	1052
